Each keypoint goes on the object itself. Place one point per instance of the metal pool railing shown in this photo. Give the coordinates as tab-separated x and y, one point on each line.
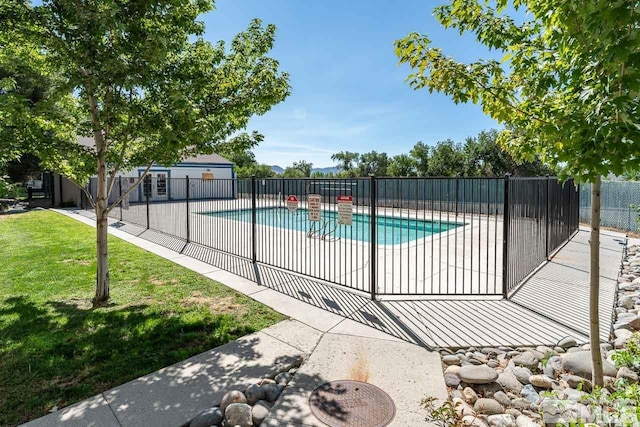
382	236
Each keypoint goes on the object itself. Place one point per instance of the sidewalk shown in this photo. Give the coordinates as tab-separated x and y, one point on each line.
177	393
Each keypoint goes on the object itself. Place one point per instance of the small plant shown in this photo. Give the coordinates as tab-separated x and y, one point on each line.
444	414
629	356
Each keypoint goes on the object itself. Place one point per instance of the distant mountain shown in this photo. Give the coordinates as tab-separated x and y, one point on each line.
277	169
330	169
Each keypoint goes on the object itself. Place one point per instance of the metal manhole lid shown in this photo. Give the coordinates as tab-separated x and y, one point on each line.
352	404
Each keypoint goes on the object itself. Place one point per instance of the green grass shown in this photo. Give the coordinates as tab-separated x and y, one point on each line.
56	350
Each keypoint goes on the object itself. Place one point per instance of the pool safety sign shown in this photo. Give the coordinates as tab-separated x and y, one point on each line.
313	210
345	210
292	204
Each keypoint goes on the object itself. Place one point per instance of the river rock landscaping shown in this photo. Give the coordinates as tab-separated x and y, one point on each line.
245	408
524	386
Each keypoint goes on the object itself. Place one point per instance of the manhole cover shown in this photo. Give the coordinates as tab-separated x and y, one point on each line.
352	404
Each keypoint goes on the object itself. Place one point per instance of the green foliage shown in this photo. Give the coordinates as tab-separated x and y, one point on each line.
402	165
441	414
373	163
630	355
301	169
478	156
259	171
8	190
568	87
137	77
346	162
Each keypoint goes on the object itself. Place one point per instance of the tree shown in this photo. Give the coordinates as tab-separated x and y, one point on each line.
257	170
373	163
446	159
346	161
137	77
483	156
402	165
421	152
567	89
301	169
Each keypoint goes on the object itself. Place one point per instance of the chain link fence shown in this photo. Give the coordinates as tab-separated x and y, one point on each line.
617	199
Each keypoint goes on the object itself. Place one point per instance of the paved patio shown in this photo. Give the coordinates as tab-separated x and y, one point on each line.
552	304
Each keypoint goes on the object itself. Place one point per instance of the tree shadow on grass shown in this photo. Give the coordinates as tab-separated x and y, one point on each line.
57	353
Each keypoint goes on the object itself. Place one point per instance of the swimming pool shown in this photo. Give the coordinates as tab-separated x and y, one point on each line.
390	230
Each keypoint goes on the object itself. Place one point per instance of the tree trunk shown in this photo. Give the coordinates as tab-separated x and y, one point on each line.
594	285
102	276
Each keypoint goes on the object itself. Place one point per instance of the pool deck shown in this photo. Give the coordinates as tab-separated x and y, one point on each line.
551	305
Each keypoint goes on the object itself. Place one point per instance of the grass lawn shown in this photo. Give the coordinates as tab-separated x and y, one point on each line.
56	350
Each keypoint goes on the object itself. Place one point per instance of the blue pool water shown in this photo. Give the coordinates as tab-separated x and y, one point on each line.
389	231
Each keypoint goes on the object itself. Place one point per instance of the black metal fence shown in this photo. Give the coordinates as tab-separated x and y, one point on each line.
41	190
381	236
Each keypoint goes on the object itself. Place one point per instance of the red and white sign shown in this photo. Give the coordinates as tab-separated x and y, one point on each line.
345	210
292	203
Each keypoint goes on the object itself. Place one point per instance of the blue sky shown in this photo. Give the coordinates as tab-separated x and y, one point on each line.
348	91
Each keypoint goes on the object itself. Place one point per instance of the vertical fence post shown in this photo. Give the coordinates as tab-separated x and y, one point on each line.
569	183
456	195
147	193
120	188
373	239
505	238
188	214
254	248
546	222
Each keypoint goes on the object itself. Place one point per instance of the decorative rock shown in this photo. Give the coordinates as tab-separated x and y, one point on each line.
574	381
469	395
451	359
260	411
526	359
541	381
282	378
488	390
502	398
488	406
580	364
473	421
522	374
524	421
254	393
462	408
451	380
272	391
530	394
567	342
208	417
234	396
478	374
510	382
623	333
520	403
452	370
501	420
627	374
626	302
266	381
238	414
553	366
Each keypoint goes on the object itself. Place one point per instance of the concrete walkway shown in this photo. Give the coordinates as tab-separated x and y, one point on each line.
177	393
